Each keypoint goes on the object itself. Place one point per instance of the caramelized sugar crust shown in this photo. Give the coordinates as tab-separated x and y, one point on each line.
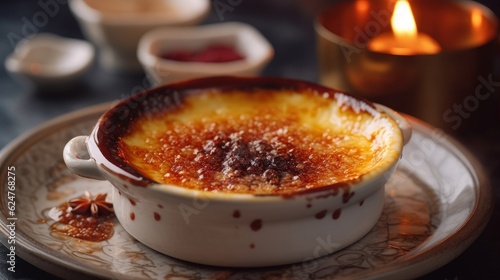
260	142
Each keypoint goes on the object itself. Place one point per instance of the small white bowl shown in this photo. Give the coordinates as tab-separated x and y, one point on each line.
255	49
49	61
116	26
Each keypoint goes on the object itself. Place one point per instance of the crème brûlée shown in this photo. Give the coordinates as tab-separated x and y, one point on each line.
261	141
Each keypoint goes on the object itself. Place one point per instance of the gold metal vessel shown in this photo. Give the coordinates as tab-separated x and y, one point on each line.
455	89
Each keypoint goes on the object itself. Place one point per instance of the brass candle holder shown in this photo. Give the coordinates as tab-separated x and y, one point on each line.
451	88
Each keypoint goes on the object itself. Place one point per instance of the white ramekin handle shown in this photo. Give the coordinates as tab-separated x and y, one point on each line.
402	122
77	159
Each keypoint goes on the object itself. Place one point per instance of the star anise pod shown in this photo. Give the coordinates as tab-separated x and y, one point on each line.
94	206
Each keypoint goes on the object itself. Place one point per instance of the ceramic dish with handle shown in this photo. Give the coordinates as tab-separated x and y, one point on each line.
244	171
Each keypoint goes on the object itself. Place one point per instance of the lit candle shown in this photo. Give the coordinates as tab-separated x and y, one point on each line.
405	38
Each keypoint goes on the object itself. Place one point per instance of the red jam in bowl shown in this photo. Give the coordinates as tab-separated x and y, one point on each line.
211	53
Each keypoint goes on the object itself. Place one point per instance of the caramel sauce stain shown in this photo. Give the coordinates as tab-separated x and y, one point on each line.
256	225
322	192
140	183
132	201
336	214
132	216
320	215
85	227
42	221
156	216
236	214
347	195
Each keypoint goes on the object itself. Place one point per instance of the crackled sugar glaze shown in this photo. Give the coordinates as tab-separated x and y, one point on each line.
262	142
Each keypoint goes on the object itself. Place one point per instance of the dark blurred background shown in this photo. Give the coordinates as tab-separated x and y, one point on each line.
288	25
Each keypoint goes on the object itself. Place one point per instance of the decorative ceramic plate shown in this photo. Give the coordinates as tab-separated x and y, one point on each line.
437	202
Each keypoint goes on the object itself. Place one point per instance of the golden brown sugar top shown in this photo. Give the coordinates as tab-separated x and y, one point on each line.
260	142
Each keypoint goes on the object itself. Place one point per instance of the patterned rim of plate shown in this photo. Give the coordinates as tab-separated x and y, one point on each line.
424	260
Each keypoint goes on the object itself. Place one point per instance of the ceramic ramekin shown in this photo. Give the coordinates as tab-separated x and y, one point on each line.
230	229
116	26
50	62
257	51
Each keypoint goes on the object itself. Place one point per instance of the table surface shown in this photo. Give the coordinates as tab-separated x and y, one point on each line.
288	26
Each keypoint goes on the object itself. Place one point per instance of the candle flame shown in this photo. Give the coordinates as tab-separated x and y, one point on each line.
402	20
476	18
404	38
